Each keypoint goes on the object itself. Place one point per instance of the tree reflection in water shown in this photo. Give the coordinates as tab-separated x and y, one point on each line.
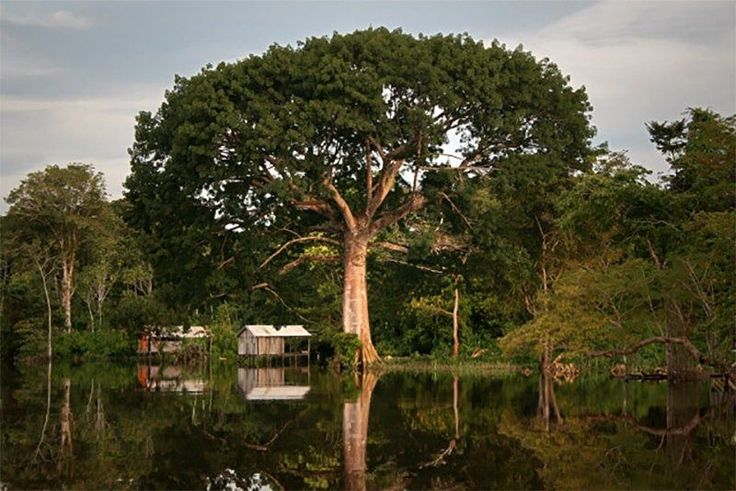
355	415
632	451
97	427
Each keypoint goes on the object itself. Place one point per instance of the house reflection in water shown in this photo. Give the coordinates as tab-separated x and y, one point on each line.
270	384
169	379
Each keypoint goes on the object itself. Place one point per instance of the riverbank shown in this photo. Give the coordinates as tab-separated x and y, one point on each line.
461	366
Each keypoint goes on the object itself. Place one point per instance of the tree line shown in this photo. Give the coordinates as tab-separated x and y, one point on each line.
396	194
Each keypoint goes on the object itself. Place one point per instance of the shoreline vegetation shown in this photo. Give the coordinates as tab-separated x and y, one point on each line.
298	203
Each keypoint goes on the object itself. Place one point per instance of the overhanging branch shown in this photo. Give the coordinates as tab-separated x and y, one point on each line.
281	249
631	349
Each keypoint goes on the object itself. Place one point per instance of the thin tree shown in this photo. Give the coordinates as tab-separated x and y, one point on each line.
61	206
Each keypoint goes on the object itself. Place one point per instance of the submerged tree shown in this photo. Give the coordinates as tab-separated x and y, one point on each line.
344	130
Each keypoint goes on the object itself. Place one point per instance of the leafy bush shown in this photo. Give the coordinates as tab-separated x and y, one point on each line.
345	346
31	339
99	345
224	333
133	313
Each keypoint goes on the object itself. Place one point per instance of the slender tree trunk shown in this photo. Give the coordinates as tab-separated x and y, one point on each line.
67	289
456	324
48	305
355	294
91	315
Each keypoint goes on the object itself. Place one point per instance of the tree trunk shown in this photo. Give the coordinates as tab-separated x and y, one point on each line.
67	289
456	324
355	294
91	315
680	362
48	308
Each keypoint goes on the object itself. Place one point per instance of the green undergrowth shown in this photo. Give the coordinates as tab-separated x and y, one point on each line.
459	365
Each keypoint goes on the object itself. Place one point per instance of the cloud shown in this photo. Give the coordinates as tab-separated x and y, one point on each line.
643	61
38	132
61	19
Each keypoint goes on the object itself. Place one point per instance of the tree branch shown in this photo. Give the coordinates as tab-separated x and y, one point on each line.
416	202
691	348
457	210
296	241
342	205
386	182
417	266
391	246
323	258
267	287
317	206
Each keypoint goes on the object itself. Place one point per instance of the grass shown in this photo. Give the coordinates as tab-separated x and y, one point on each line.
451	365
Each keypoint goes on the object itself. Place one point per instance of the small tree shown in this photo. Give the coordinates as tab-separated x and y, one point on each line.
60	207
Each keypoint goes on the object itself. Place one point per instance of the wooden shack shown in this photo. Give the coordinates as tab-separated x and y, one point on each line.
268	340
167	339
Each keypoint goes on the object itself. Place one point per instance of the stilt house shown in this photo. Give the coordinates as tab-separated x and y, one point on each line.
268	340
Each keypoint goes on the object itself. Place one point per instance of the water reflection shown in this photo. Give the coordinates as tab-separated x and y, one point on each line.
355	415
93	427
169	379
271	384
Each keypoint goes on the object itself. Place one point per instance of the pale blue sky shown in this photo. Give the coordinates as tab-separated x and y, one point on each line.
73	75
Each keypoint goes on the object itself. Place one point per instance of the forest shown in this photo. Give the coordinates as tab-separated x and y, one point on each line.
400	196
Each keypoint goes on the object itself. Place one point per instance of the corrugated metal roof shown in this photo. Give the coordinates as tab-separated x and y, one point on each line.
293	331
179	332
283	392
260	331
268	331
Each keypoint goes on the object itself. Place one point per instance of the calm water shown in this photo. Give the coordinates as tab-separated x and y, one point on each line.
125	427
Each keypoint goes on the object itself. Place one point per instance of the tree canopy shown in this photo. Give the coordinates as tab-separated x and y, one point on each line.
347	129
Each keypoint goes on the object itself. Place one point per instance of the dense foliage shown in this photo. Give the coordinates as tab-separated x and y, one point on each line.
338	141
536	245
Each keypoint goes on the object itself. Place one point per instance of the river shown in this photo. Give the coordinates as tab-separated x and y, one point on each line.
123	426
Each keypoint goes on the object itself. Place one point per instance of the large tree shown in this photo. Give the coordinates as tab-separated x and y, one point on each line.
60	208
344	129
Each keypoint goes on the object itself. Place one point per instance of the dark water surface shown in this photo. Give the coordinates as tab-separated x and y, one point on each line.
131	427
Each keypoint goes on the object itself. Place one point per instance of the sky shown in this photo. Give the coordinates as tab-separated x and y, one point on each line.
73	75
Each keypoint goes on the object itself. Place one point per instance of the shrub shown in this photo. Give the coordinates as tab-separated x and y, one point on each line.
345	346
223	332
99	345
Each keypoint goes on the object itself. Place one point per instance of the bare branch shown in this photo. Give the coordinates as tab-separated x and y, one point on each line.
386	182
317	206
368	174
457	210
342	205
417	266
323	258
691	348
296	241
269	289
415	202
391	246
